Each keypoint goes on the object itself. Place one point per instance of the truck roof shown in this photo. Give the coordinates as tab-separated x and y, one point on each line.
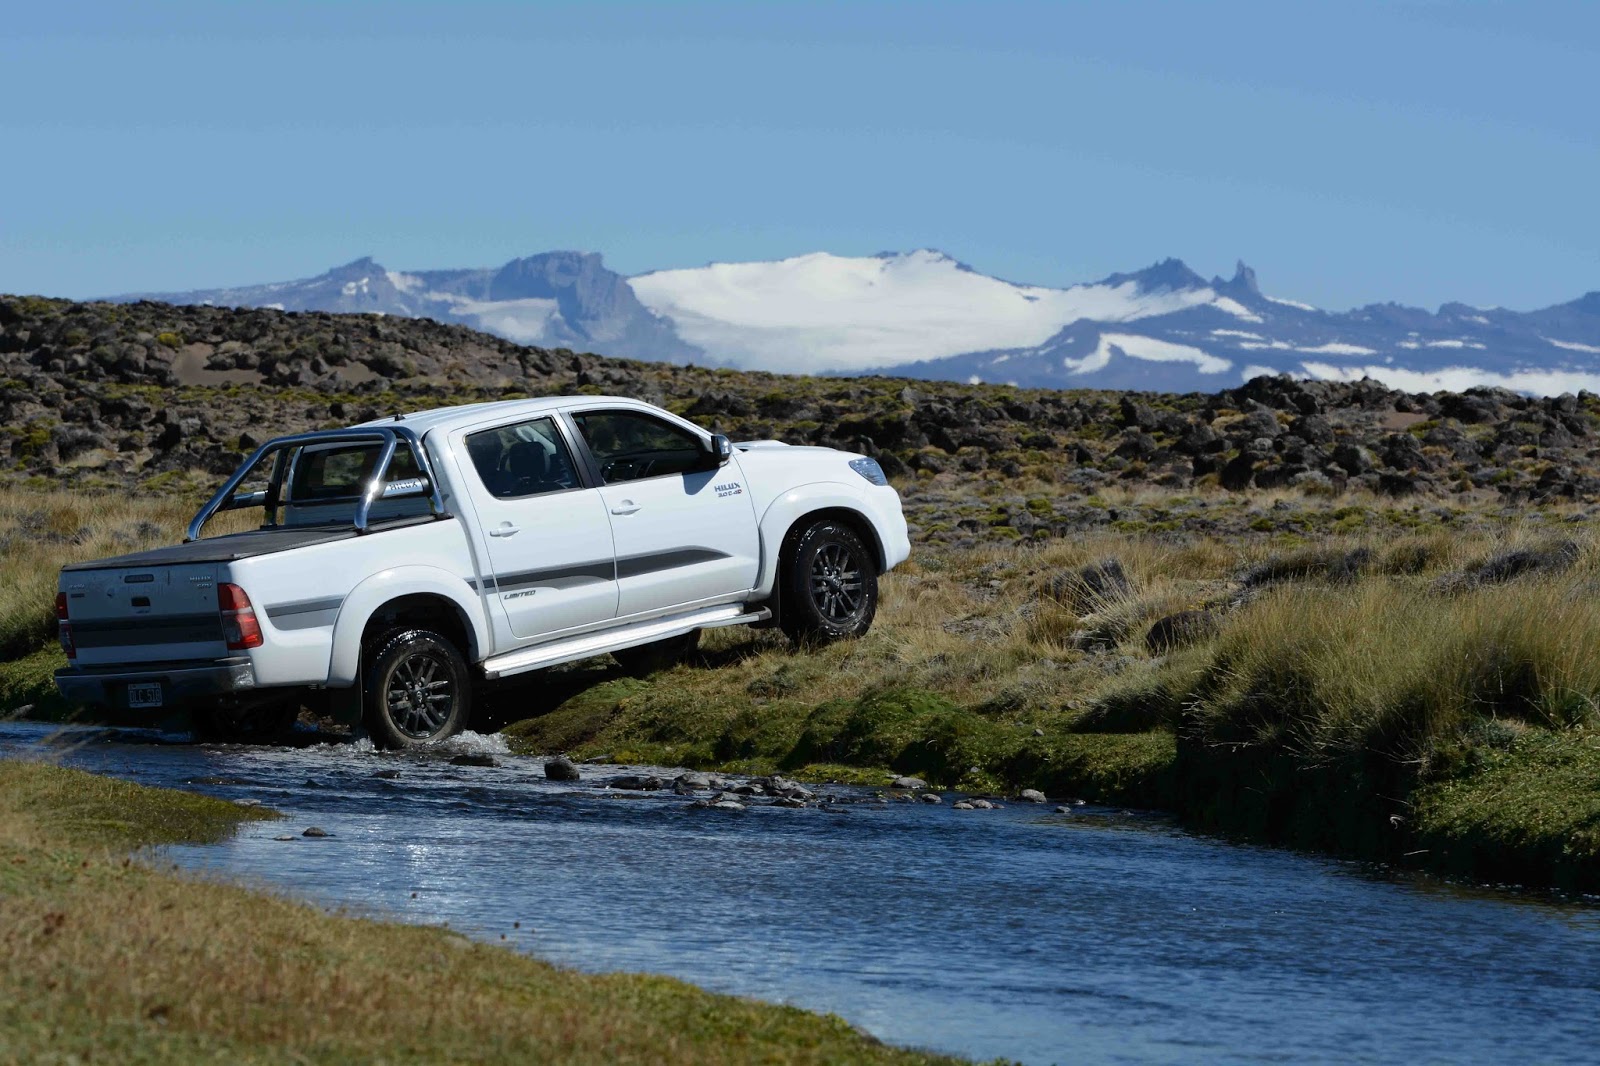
420	422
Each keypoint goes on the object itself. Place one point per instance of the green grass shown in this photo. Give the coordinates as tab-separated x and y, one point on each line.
108	959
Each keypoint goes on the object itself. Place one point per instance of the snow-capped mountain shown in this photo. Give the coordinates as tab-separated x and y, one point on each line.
1229	330
923	314
557	299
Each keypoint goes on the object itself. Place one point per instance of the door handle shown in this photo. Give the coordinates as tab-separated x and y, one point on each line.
625	507
505	529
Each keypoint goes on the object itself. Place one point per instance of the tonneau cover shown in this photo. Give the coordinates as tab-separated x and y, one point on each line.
238	545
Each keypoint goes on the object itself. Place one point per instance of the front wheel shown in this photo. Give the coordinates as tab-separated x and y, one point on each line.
417	689
830	585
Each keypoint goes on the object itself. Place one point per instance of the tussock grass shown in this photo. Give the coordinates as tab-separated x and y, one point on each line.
42	531
109	959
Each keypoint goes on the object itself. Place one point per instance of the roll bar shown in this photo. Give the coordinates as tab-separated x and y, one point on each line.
378	488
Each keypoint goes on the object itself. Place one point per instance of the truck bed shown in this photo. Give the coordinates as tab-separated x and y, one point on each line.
237	546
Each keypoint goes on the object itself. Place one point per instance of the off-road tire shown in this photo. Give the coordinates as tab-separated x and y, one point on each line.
647	659
416	689
829	584
264	722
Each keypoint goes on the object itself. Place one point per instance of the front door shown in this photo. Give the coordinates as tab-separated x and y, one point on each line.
547	536
683	534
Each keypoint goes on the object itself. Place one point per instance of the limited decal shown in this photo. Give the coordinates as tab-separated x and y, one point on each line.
730	488
517	595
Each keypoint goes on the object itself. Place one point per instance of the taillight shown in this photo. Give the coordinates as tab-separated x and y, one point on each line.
63	627
239	626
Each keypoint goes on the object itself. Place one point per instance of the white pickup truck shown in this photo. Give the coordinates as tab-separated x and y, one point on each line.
399	562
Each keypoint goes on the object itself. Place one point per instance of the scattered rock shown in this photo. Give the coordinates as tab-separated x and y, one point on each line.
1063	810
1179	630
931	797
788	801
1038	732
981	805
561	768
313	831
637	782
1030	795
909	783
693	782
475	759
247	802
961	805
1090	587
1507	566
285	837
387	775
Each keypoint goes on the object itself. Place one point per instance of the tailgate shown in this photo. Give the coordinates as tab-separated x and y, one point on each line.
144	614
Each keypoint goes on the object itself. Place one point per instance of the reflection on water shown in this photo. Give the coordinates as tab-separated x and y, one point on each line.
1097	936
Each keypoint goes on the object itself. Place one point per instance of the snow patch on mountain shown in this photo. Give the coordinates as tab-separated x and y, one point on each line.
1574	346
1337	348
1236	309
824	312
1135	346
1461	378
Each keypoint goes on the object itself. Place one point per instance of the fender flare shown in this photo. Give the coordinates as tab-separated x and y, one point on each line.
391	584
783	512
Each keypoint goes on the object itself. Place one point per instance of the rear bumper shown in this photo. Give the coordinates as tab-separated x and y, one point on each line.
181	684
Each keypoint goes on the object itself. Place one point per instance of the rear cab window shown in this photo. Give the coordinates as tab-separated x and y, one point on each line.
525	459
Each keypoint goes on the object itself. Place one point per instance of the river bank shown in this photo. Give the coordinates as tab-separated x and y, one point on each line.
108	957
1419	690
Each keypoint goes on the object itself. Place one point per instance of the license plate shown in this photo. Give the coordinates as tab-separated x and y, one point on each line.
146	695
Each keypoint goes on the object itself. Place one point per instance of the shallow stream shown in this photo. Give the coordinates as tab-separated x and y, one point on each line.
1097	936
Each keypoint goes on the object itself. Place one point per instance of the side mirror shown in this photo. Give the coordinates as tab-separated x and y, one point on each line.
720	452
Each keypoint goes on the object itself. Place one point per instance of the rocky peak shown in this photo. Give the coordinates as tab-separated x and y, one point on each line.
1172	275
1243	285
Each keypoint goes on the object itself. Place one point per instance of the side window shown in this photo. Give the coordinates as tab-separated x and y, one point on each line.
629	445
526	459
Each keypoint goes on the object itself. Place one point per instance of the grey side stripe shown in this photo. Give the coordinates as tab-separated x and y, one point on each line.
563	577
306	614
635	565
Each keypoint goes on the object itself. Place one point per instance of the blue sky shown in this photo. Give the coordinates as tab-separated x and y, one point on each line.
1350	152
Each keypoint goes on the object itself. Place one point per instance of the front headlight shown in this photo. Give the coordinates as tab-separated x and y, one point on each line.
869	469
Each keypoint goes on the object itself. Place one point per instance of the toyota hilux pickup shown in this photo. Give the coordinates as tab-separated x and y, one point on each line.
391	567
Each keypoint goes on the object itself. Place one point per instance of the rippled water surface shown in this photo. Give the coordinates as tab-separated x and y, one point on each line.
1096	936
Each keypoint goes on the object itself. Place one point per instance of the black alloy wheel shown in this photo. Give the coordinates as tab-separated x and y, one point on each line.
418	689
830	584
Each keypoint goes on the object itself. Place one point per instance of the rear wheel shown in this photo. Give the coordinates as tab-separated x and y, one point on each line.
659	655
830	585
417	689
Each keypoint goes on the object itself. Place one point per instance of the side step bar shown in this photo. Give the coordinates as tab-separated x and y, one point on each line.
582	647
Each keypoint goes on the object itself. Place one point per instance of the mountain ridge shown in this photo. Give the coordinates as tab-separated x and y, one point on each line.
926	314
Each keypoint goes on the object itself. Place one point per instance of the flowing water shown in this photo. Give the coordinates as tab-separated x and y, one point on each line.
1089	937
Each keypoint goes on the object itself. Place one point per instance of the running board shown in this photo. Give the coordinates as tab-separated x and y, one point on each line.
582	647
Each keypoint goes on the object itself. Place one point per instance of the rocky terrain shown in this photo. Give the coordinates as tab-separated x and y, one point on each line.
167	398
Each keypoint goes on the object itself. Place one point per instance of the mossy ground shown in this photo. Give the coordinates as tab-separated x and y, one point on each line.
104	958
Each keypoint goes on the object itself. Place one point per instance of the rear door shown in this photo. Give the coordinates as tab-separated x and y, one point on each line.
683	534
542	528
